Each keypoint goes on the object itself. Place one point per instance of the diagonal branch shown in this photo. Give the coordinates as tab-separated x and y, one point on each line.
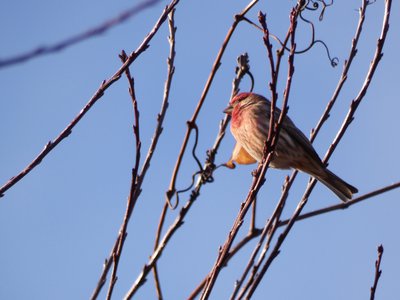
97	95
78	38
344	205
346	68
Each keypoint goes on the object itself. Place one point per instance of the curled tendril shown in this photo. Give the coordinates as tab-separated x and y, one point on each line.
333	60
315	6
206	173
196	140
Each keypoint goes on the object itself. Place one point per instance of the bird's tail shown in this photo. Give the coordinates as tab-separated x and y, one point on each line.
341	188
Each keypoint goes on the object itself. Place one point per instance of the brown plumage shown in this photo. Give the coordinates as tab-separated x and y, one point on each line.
250	123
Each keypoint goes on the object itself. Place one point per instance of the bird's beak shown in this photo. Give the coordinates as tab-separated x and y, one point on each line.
228	110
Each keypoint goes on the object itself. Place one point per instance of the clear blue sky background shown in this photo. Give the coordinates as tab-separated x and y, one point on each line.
59	223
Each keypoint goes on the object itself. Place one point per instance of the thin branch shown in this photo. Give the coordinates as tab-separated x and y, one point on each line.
269	229
80	37
346	68
171	69
134	186
344	205
97	95
378	272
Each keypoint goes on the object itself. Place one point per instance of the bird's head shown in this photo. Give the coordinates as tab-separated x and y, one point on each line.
240	100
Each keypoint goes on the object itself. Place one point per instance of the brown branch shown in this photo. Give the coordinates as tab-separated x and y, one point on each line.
78	38
268	229
344	205
346	68
378	272
138	179
97	95
134	187
346	123
250	236
171	69
238	18
374	64
161	246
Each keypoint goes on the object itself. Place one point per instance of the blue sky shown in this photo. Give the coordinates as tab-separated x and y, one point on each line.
59	223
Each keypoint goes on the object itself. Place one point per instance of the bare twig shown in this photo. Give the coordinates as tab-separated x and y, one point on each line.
97	95
344	205
269	229
346	68
80	37
134	186
378	272
171	68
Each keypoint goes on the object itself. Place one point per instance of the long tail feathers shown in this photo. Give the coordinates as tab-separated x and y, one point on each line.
341	188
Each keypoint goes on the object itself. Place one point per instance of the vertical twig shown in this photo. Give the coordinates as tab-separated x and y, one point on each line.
170	72
269	229
133	190
378	272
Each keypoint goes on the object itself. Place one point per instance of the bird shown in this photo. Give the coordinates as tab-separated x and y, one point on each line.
250	114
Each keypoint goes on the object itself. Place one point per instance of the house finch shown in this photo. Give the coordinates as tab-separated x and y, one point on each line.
250	123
